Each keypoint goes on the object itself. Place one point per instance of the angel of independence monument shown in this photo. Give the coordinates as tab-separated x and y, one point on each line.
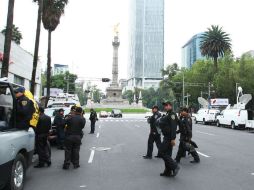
114	91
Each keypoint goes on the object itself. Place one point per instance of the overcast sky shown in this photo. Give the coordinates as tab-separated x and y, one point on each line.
83	38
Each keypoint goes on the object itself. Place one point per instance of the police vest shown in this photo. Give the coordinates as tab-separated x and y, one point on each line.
35	116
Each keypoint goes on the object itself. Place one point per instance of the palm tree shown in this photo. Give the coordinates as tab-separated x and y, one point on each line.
37	43
7	40
51	14
214	43
16	34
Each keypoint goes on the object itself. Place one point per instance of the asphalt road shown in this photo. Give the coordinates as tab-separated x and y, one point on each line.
111	159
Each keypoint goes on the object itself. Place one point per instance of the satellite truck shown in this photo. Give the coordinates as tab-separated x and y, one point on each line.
205	115
237	116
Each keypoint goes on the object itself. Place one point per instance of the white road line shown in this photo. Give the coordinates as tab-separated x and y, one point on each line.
98	134
203	154
99	127
137	126
205	133
91	157
252	173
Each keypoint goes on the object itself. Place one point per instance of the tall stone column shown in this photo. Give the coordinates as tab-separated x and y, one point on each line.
116	45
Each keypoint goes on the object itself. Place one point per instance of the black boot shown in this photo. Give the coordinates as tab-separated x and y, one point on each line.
40	165
66	167
175	171
147	157
195	156
166	173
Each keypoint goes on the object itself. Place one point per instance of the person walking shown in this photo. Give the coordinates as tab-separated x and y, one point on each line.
93	118
73	132
41	139
168	125
59	122
186	144
155	133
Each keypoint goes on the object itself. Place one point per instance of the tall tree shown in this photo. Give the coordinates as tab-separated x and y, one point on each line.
16	34
215	43
7	40
51	14
37	43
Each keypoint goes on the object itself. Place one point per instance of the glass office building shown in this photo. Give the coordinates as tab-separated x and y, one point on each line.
191	51
146	58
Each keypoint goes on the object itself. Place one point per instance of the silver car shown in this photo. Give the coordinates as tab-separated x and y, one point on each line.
16	146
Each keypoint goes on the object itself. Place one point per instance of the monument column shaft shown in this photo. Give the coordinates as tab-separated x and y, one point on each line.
115	44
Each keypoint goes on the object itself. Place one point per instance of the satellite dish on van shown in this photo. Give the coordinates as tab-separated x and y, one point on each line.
244	99
203	102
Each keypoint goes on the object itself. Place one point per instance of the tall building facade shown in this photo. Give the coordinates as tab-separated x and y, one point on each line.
146	53
191	51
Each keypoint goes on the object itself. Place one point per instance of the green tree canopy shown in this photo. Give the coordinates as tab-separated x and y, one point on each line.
16	34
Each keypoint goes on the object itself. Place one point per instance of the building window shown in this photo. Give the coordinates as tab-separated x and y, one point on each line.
19	80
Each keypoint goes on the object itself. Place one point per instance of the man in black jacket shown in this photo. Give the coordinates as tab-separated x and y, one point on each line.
73	132
93	118
41	139
59	122
155	133
168	125
185	130
25	109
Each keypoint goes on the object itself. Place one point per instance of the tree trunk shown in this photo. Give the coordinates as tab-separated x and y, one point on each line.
215	64
36	48
7	40
48	67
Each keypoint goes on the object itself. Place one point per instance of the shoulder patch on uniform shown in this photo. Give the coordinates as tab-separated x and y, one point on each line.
173	117
24	103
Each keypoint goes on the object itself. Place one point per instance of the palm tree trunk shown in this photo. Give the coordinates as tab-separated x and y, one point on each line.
215	64
48	67
7	40
36	48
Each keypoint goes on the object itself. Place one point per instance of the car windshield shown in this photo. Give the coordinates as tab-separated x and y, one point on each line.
116	111
49	112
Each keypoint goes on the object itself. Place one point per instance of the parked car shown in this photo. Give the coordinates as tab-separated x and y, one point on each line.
206	116
116	113
235	118
16	146
103	114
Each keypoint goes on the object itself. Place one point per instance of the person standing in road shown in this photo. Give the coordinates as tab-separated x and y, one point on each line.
41	139
168	125
25	109
73	131
59	122
93	118
185	130
155	133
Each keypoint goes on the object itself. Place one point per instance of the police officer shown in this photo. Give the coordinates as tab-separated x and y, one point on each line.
25	109
168	125
59	122
41	139
185	130
93	118
155	133
73	131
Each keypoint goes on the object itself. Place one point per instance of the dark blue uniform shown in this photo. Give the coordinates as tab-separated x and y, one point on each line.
93	118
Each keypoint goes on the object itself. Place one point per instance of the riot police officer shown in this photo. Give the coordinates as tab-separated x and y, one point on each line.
185	130
59	122
155	133
41	139
73	132
25	109
168	125
93	118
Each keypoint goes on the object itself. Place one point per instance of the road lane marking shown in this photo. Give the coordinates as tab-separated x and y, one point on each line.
202	154
137	126
98	134
82	186
252	173
91	157
99	127
205	133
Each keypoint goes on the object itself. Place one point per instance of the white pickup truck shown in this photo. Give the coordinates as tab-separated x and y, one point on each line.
206	116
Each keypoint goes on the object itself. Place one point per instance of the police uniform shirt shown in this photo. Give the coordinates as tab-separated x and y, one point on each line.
25	111
75	125
44	124
168	125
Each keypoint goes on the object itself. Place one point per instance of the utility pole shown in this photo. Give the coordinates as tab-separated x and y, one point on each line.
68	84
183	90
209	90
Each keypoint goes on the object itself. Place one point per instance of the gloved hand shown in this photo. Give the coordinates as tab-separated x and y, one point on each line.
173	142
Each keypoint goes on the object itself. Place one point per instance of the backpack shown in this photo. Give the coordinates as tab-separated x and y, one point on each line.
35	115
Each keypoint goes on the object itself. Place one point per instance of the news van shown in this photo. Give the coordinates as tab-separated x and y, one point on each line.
206	116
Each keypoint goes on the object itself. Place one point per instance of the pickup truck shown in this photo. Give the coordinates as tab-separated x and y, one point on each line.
16	146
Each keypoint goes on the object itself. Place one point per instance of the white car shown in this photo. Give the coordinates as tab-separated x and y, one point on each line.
235	118
206	115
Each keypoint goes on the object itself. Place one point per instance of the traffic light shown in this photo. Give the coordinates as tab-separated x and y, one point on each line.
87	91
105	79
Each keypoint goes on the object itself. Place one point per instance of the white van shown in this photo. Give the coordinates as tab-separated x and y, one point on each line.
235	118
206	116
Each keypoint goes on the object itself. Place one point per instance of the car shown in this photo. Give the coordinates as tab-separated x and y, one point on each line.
16	146
235	118
206	115
103	114
116	113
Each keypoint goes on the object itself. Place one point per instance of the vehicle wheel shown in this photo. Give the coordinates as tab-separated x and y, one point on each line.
233	125
18	173
204	123
218	123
